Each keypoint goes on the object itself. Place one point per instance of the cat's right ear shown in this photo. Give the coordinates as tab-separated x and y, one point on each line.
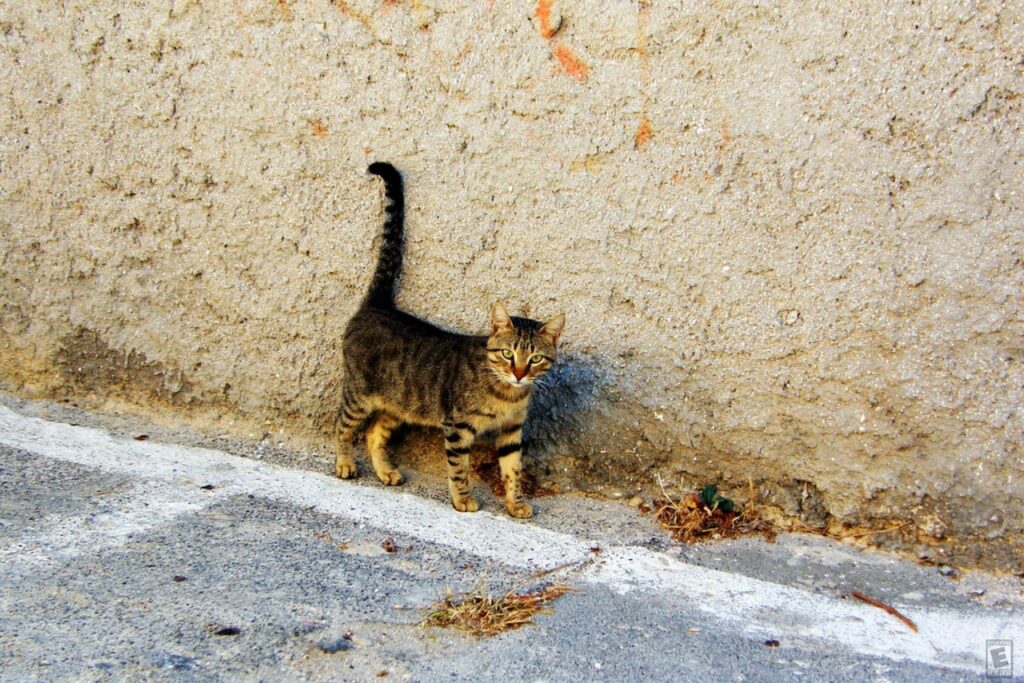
500	320
552	329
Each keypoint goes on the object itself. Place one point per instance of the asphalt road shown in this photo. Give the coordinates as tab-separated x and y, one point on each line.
158	560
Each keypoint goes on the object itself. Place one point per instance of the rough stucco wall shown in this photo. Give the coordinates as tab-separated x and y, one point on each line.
788	241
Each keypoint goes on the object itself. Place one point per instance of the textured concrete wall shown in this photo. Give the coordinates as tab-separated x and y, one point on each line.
788	241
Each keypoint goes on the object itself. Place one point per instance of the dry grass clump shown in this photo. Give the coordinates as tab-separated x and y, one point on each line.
701	516
706	515
479	613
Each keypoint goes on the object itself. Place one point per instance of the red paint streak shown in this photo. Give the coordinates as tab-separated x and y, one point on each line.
573	65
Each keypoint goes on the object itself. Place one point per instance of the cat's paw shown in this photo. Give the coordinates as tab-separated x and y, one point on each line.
519	510
466	505
390	477
345	469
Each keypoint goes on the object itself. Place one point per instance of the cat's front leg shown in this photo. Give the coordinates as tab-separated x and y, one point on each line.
458	439
510	460
344	464
353	412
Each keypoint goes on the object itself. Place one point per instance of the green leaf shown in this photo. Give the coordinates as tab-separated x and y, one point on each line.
708	495
711	499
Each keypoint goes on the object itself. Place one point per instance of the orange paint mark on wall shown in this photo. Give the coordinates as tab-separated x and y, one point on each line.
355	14
318	128
644	132
543	13
726	135
641	29
547	28
572	64
286	10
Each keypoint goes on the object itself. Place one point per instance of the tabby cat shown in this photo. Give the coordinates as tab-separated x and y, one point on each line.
399	368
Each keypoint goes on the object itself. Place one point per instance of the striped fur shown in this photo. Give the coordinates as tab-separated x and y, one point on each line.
399	368
389	260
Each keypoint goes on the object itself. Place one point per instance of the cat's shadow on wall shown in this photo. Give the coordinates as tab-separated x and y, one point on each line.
563	402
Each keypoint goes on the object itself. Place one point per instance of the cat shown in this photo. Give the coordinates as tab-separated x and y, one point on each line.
400	369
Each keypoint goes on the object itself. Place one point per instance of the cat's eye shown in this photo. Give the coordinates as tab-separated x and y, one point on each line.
536	358
506	354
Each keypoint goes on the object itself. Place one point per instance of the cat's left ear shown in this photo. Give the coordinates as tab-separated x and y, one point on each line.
552	329
500	319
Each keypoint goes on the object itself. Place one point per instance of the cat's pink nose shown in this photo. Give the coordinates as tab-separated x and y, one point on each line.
519	374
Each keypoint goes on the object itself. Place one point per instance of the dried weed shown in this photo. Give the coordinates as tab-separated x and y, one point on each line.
479	613
706	515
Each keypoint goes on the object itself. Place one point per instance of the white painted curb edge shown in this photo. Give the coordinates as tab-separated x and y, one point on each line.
759	608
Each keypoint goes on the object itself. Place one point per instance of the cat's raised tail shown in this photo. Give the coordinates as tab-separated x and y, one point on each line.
389	261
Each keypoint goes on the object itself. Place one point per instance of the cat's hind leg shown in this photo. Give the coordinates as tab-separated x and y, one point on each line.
354	410
376	442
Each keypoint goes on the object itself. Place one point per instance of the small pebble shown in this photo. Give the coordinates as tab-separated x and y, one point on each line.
224	630
308	626
334	645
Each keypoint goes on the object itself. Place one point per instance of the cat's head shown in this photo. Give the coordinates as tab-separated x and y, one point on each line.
520	350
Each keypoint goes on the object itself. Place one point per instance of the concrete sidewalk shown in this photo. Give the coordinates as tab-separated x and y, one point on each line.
124	559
